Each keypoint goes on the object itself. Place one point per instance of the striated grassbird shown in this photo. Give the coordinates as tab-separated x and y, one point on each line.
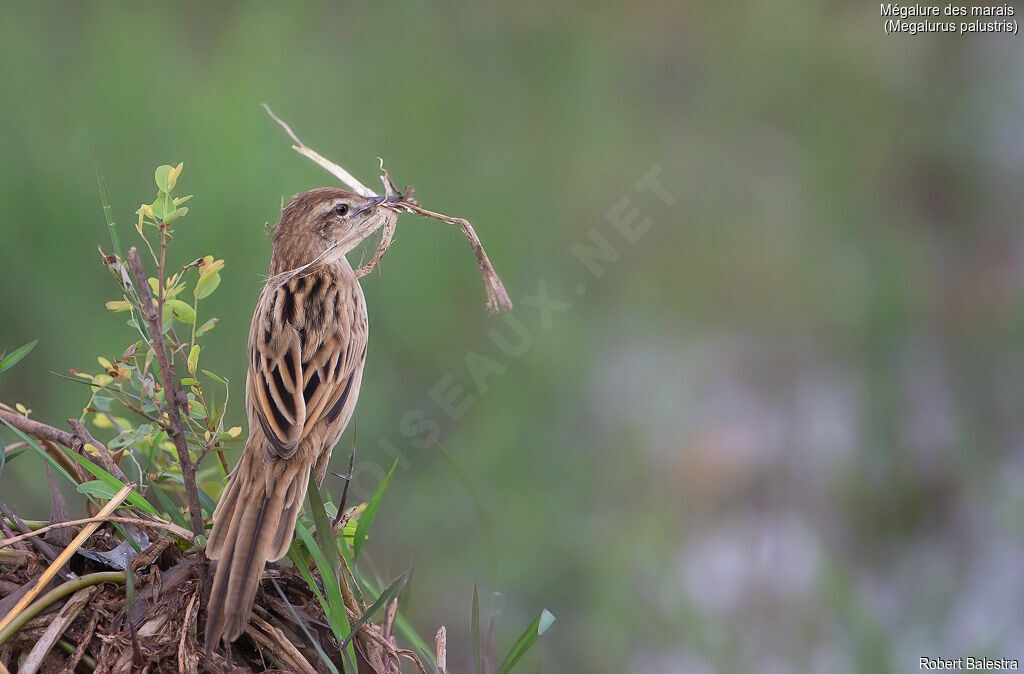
307	347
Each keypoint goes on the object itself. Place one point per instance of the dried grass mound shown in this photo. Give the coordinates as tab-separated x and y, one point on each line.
93	617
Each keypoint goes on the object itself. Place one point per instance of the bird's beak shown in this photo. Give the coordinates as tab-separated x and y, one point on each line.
374	203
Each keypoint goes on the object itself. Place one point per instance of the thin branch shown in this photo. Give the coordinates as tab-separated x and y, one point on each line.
180	532
73	441
173	395
44	548
36	428
105	458
340	519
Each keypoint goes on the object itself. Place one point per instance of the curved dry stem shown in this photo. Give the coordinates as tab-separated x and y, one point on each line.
59	592
180	532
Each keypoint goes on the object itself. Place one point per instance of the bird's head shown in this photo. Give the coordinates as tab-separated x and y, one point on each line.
323	225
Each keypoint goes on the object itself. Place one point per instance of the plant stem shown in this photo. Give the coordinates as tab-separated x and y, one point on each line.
69	648
173	395
63	590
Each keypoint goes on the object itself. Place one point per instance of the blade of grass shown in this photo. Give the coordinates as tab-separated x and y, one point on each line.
335	608
366	519
170	509
302	623
42	452
9	361
324	534
134	498
108	213
303	566
404	626
478	505
539	625
474	626
386	596
428	660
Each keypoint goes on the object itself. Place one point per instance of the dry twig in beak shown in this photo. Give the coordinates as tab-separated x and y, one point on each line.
497	297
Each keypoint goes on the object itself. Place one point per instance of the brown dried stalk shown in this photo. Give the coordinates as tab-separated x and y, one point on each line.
73	441
497	297
173	395
161	525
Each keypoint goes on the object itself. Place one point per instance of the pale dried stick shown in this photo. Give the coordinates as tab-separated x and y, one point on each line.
498	299
335	170
65	555
180	532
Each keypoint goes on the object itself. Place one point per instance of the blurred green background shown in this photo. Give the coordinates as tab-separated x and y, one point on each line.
780	432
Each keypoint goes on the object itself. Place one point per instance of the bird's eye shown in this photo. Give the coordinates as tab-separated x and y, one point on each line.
341	209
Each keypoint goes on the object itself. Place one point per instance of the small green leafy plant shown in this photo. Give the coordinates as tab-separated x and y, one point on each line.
162	416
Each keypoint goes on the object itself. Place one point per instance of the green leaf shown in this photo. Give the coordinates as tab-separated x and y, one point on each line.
135	498
122	440
41	452
302	624
193	358
175	214
107	212
178	201
384	599
172	176
102	403
170	509
474	629
206	285
98	489
366	519
3	456
189	381
206	501
13	357
327	562
335	609
180	310
302	564
324	534
214	377
162	172
206	327
162	207
538	627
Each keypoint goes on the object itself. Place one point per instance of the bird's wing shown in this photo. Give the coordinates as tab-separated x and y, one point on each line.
308	337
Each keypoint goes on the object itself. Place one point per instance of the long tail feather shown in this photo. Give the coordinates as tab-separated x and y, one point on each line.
253	524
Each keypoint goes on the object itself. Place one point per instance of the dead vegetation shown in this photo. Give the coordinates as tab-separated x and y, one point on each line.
100	616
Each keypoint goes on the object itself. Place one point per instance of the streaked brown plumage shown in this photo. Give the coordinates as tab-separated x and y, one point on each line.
307	346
